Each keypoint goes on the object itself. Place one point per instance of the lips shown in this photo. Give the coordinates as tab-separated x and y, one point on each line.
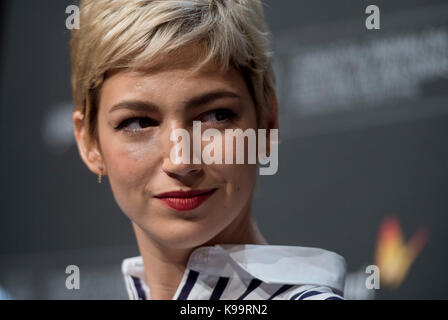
185	200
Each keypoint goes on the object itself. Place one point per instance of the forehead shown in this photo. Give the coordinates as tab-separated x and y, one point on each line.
171	78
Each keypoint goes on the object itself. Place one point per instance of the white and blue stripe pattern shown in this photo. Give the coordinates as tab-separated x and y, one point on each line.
253	291
256	290
231	282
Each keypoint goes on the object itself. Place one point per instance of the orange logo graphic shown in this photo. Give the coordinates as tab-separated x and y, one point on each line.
393	256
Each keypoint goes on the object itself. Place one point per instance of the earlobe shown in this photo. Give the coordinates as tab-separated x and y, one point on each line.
87	147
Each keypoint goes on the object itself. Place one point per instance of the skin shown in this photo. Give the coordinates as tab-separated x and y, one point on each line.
136	159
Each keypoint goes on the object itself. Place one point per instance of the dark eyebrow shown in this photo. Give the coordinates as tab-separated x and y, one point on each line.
135	105
189	104
209	97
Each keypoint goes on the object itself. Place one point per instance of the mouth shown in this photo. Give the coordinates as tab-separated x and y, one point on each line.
185	200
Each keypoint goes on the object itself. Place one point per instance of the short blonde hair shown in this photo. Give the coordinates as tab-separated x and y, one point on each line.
127	34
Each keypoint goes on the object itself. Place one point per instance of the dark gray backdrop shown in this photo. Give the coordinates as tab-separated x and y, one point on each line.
342	169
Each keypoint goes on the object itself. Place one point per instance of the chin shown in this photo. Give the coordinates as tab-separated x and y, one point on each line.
184	234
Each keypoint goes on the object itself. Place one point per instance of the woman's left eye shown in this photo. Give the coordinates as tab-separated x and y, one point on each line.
218	115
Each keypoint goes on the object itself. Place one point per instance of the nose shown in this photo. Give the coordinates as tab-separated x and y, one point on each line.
181	170
186	170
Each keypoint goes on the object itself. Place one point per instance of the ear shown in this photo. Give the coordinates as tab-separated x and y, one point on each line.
272	121
87	146
273	118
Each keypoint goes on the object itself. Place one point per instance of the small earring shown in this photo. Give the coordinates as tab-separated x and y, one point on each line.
100	174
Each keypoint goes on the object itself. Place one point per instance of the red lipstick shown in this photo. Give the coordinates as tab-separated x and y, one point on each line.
185	200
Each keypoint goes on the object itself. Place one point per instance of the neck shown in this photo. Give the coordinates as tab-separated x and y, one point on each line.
165	266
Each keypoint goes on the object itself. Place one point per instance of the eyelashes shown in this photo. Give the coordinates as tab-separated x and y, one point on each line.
218	115
136	124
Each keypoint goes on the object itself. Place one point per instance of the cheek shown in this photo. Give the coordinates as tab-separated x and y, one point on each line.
126	163
239	182
130	168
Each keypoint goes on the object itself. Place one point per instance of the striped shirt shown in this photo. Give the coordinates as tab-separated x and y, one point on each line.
250	272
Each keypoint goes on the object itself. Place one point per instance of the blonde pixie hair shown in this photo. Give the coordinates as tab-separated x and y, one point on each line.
131	34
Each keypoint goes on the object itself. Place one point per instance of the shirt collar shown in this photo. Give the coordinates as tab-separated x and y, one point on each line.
272	264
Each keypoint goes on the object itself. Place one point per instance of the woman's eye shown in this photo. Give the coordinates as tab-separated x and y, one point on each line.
218	115
136	124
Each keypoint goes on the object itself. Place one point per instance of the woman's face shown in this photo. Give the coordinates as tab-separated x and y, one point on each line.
137	113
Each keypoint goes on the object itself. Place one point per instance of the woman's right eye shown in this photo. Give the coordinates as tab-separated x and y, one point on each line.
136	124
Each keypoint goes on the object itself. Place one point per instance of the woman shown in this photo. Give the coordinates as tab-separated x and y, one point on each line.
144	68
